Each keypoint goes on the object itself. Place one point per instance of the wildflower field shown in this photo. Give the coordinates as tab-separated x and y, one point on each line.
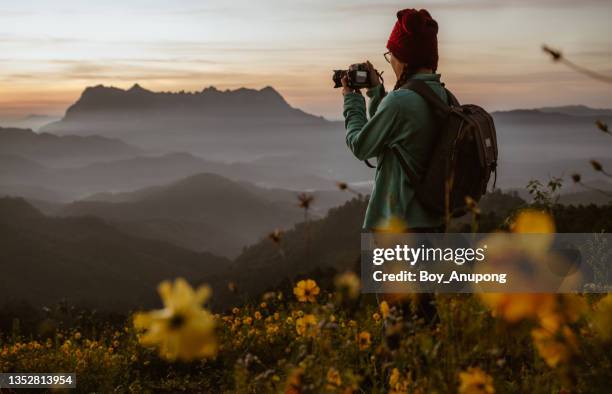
336	340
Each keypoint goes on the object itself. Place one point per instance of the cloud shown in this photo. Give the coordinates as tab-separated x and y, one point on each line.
467	5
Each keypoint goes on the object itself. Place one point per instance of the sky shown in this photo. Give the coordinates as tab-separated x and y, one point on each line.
489	49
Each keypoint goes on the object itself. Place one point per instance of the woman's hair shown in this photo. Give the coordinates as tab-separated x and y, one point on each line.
407	73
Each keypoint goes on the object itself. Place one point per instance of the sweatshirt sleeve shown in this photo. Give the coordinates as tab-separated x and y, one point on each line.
367	138
376	95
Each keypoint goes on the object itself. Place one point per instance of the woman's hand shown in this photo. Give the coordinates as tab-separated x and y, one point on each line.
345	87
373	75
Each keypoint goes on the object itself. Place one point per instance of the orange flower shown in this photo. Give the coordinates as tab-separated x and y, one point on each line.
384	309
602	320
364	340
306	326
306	290
475	381
333	378
516	307
555	347
533	221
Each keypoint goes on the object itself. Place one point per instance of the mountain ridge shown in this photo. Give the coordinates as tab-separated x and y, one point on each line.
48	147
110	109
87	257
202	212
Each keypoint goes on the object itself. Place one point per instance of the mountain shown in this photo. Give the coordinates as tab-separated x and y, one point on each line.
578	110
18	169
143	171
87	261
61	150
33	121
331	243
201	212
113	111
570	114
548	116
97	181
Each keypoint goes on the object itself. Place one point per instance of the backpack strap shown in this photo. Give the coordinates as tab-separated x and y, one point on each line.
452	100
435	102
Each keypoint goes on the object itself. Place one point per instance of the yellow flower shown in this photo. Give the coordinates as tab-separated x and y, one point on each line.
272	329
384	309
533	221
515	307
555	347
235	311
602	319
364	340
257	315
376	317
397	385
333	378
393	225
475	381
306	290
348	284
183	329
247	321
569	308
294	381
307	325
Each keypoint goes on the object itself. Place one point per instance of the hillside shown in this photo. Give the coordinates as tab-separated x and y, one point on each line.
95	264
329	243
553	115
61	150
201	212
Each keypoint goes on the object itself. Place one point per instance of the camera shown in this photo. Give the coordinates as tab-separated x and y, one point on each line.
357	76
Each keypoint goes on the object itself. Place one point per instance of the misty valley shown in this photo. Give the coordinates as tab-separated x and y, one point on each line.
132	186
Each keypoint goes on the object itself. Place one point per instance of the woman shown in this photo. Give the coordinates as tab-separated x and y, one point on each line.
400	118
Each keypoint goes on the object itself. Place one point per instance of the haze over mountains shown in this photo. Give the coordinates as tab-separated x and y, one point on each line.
204	212
32	121
179	183
57	150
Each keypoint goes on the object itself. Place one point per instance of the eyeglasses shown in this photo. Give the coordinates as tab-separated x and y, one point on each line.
387	56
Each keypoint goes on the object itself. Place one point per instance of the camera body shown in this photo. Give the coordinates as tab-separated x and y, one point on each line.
358	76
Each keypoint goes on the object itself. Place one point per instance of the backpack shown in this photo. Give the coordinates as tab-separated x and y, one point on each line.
462	158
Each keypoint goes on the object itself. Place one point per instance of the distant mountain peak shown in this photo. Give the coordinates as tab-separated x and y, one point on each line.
110	110
136	88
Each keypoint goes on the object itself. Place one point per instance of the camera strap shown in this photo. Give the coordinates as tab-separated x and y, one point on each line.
367	163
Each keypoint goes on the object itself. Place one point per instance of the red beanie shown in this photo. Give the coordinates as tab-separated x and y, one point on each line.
414	39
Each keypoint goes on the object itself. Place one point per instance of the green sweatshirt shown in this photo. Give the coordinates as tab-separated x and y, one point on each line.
399	118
